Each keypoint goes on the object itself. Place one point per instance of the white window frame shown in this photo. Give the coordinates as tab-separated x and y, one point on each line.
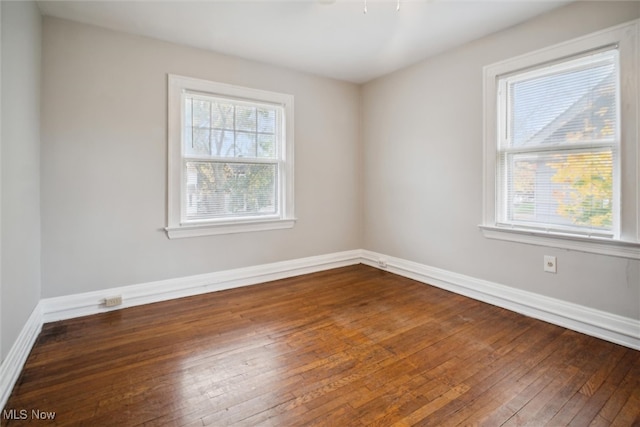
626	242
177	226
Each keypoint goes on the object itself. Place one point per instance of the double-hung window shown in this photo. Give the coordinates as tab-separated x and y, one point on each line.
561	145
558	146
230	158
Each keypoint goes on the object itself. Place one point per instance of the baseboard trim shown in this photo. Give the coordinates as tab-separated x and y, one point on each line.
596	323
17	356
70	306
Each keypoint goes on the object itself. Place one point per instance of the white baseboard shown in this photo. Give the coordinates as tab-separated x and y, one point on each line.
609	327
17	356
66	307
600	324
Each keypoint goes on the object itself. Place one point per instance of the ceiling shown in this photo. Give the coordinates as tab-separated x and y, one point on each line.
332	38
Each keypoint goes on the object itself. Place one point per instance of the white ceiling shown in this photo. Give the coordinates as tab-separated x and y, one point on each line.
334	39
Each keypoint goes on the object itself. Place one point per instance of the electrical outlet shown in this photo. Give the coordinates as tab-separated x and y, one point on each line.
550	265
113	301
382	263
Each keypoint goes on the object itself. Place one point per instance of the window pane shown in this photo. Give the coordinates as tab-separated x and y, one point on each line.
266	120
201	113
223	143
200	144
567	104
245	144
227	129
187	130
245	118
222	115
566	189
266	146
218	190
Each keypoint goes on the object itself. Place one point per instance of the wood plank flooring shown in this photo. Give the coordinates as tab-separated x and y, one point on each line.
347	347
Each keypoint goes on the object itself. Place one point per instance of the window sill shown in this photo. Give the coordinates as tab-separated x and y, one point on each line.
212	229
594	245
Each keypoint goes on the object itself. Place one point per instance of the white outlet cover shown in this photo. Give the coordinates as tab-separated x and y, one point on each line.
550	264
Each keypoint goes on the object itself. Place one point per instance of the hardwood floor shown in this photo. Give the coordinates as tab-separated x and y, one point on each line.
347	347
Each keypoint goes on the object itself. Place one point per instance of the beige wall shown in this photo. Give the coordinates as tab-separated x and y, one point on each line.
422	139
104	159
20	154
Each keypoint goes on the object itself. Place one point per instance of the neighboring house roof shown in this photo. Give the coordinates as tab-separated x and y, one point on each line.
550	118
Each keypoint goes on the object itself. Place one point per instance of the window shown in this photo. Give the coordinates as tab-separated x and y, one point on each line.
558	146
561	145
230	159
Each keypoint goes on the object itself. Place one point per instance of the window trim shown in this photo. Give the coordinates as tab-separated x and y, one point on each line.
627	244
176	228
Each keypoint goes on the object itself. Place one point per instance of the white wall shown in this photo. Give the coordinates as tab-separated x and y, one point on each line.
104	161
20	204
422	139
